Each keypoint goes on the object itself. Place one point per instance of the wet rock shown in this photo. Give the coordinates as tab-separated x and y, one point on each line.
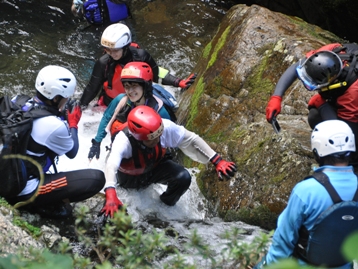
14	239
237	74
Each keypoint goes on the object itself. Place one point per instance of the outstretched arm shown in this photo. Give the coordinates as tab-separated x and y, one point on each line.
197	149
286	80
95	84
273	107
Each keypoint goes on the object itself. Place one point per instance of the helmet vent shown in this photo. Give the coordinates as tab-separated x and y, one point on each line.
331	141
347	139
137	125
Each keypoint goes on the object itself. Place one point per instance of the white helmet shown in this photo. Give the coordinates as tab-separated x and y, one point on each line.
116	36
332	136
55	80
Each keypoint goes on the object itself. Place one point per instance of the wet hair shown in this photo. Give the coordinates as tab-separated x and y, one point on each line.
333	159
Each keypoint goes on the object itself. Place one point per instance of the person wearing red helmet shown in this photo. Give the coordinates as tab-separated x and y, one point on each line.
138	158
137	80
331	71
105	79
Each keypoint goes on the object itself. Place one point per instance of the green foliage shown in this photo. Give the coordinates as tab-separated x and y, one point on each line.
350	247
38	260
118	243
34	231
218	46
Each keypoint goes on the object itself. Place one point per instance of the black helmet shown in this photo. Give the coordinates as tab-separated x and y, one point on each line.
319	70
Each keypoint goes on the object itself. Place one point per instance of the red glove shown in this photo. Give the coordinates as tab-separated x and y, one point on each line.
273	107
112	202
316	101
186	83
74	116
223	167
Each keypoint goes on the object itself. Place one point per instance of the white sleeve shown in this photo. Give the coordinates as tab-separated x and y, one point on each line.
52	133
190	143
121	149
172	135
196	148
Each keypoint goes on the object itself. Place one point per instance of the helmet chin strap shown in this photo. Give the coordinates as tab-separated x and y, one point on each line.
137	102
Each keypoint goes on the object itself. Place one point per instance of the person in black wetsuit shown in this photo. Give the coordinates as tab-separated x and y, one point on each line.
106	75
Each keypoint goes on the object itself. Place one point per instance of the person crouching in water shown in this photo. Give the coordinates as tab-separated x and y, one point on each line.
138	158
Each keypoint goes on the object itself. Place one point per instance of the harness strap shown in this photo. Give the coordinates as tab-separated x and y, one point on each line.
324	180
300	250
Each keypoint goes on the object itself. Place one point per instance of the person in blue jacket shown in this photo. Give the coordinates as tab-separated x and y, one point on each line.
332	143
137	80
101	12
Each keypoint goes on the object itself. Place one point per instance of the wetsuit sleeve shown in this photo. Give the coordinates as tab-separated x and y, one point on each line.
286	80
73	152
149	60
107	116
95	84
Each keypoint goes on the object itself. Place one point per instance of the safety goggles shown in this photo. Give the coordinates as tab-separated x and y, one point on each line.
307	80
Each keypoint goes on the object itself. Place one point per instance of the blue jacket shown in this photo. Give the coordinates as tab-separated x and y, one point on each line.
307	201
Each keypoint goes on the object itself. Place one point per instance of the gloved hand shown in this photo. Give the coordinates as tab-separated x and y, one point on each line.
112	203
186	83
95	150
69	105
223	167
273	107
74	116
316	101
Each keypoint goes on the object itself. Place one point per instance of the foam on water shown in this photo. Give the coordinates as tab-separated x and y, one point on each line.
140	203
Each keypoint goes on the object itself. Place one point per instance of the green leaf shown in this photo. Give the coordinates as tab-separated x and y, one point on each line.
350	247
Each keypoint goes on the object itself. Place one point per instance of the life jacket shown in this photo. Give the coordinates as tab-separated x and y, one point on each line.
322	245
104	11
121	118
113	85
143	159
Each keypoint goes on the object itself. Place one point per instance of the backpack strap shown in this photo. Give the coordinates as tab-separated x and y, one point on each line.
324	180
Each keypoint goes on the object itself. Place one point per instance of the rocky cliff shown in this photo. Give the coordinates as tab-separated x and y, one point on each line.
237	74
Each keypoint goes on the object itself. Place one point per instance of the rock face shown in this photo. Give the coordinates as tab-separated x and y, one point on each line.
237	74
333	15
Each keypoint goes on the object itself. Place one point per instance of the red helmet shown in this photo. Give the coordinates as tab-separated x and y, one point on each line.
145	123
137	72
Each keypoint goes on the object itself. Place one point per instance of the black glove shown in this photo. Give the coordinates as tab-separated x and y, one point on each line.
94	150
69	106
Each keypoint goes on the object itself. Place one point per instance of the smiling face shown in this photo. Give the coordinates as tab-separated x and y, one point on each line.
134	91
116	54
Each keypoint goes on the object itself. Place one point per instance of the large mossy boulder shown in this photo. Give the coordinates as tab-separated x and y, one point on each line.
237	74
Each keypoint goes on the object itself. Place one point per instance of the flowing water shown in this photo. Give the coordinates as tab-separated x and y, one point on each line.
36	33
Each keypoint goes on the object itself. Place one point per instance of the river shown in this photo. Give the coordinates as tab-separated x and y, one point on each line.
34	34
